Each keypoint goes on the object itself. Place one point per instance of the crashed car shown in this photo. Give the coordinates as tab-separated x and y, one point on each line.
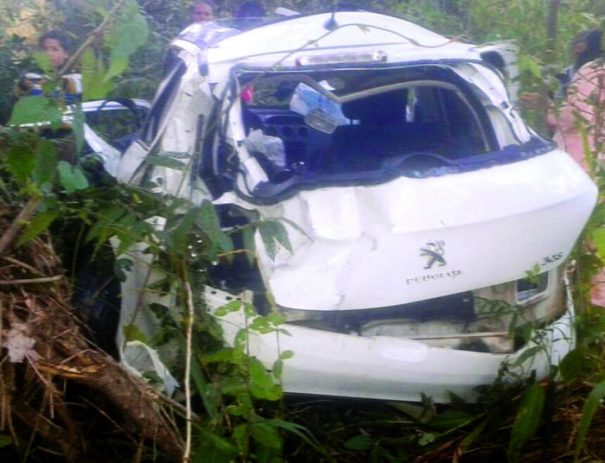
427	222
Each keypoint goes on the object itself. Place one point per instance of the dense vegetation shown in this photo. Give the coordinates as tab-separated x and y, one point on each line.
233	409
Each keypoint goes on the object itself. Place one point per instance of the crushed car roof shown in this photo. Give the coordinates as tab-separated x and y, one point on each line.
286	41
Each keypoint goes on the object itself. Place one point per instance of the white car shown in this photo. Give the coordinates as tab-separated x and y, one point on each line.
421	201
110	126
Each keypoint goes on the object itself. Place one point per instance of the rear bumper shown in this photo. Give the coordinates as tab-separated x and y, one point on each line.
381	367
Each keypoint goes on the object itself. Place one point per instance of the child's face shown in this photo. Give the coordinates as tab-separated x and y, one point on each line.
57	54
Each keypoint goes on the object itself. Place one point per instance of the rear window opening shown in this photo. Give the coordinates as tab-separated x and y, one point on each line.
363	122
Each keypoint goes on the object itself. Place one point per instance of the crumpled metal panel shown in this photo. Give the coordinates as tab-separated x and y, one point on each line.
384	367
414	239
301	36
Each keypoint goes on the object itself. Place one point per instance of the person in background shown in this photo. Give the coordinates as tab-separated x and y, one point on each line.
249	14
203	12
579	123
57	46
585	47
581	112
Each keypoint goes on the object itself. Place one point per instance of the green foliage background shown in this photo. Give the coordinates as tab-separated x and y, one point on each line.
475	20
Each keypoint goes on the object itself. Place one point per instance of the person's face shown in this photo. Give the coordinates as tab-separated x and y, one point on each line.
202	13
57	54
578	48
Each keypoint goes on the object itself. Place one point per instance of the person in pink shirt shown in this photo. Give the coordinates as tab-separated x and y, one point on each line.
579	123
581	116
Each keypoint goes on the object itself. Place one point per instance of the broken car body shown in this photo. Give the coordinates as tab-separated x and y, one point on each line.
421	201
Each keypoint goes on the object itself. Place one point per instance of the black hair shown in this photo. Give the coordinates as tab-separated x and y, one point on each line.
250	9
63	39
592	39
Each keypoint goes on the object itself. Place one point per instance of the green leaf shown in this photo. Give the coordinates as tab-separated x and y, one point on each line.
472	436
71	177
117	65
598	238
266	454
593	402
37	225
529	64
287	354
209	223
298	430
37	110
275	318
427	438
129	33
451	419
207	452
533	274
5	440
531	352
43	62
278	369
266	434
152	378
237	410
528	419
180	232
93	87
360	442
223	355
262	385
46	163
211	441
233	306
272	232
417	412
296	227
281	235
133	333
574	364
208	391
120	267
262	325
241	436
21	161
268	241
108	218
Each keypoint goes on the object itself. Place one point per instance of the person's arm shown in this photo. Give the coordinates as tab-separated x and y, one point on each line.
72	88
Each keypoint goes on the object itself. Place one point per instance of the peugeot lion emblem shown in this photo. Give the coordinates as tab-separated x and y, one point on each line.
433	251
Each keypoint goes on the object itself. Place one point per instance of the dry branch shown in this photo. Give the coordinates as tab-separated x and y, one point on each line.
32	392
